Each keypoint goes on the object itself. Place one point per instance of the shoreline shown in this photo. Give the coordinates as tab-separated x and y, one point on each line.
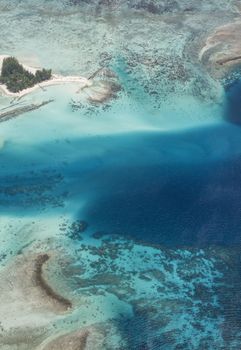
55	80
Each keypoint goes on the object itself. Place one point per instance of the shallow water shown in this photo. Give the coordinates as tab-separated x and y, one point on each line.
155	174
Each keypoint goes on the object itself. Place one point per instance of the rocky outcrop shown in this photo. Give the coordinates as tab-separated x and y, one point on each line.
223	46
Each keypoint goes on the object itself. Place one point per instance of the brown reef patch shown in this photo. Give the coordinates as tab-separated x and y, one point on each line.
223	47
40	280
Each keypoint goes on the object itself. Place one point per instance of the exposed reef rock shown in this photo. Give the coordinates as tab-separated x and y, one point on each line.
223	47
26	189
104	87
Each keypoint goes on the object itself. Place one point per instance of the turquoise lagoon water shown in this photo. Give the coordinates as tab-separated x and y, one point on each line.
155	175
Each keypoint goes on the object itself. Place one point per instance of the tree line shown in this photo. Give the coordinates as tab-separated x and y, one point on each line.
17	78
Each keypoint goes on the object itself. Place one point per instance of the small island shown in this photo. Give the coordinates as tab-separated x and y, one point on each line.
17	78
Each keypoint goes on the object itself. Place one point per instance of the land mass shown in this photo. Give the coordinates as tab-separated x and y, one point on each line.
17	78
23	79
222	47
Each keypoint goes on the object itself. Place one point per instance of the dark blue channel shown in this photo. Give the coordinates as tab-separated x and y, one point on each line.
175	189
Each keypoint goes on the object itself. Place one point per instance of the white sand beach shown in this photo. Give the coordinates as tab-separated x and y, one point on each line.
56	79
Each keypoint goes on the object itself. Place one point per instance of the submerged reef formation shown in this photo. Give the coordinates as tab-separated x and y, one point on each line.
175	294
29	189
152	46
108	290
104	87
152	6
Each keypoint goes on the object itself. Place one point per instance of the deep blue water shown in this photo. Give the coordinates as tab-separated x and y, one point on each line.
233	107
179	193
175	189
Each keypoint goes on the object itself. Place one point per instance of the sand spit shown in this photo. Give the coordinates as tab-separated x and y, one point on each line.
43	284
89	338
14	112
26	293
55	80
76	341
223	47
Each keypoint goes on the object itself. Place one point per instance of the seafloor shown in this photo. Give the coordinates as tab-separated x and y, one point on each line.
121	216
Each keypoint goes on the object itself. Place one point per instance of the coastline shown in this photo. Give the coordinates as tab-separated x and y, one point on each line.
55	80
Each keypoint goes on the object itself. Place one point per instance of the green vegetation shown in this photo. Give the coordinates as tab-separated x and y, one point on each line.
17	78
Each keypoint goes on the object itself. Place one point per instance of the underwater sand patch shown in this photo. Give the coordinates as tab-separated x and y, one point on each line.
84	339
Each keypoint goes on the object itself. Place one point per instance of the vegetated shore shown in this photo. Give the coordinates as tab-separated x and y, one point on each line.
55	80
